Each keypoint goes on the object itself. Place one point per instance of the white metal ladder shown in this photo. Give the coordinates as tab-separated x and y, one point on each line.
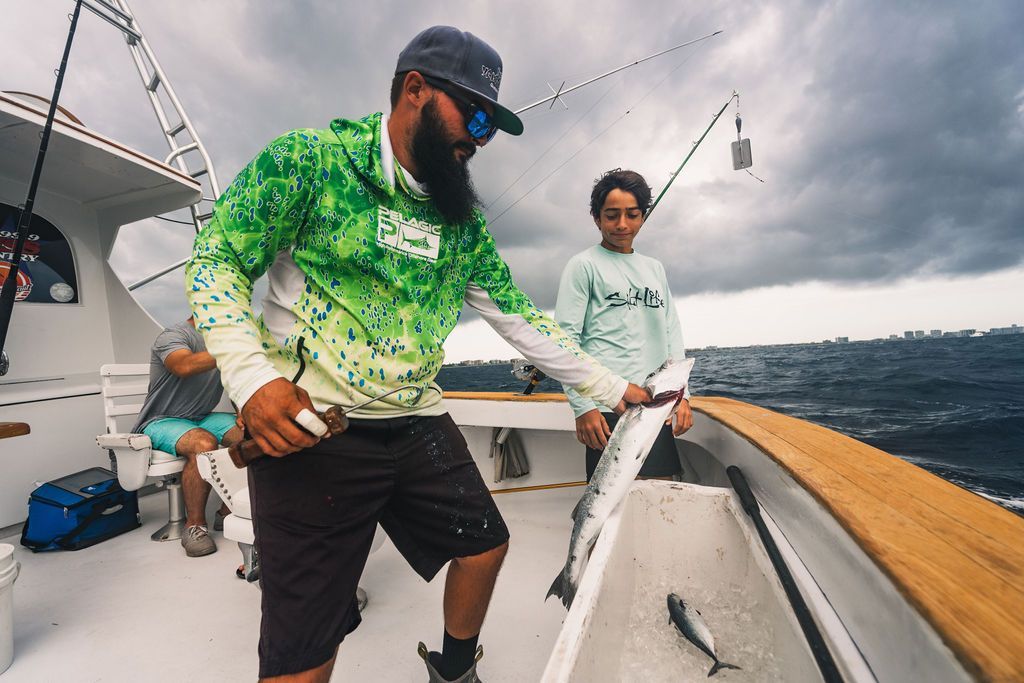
187	151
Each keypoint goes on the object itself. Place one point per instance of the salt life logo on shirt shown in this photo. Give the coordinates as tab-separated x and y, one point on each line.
650	298
407	235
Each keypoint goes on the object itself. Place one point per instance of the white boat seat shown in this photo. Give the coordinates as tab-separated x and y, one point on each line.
232	485
124	387
137	460
242	507
239	529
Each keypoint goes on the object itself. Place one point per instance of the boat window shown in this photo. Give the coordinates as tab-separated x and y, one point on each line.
47	274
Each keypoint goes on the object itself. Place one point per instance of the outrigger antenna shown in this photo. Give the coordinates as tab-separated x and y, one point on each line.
557	93
560	91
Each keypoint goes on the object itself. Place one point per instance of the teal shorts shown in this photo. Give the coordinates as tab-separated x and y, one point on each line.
165	432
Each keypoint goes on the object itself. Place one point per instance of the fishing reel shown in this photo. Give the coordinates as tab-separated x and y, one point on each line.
526	372
522	369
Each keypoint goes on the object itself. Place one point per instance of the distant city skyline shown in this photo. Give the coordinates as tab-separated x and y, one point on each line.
798	314
934	333
1013	328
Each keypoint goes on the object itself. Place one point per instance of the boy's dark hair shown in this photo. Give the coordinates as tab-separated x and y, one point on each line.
618	179
396	88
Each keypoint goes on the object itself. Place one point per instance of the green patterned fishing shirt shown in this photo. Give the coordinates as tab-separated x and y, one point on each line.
366	280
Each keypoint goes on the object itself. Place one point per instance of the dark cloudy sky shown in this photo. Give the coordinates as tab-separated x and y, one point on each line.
890	137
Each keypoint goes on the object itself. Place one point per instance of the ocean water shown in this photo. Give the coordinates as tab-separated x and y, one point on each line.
952	406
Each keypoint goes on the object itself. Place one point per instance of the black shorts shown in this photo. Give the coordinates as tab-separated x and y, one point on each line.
315	513
663	460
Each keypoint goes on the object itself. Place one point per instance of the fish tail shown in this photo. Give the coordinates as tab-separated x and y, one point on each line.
563	588
556	586
721	665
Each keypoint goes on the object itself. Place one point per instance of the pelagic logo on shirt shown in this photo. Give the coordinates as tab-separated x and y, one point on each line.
407	235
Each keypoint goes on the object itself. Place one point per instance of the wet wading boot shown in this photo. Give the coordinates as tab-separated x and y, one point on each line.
433	662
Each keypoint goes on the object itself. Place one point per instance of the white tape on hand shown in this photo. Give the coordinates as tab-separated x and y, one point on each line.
311	423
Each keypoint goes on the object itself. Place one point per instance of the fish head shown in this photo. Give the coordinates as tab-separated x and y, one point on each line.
672	376
676	608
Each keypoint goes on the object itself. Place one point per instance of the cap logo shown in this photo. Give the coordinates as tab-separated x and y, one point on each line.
493	76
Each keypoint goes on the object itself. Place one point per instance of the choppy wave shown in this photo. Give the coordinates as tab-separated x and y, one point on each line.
1015	504
952	406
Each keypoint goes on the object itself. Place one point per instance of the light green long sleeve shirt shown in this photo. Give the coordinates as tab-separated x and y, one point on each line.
619	308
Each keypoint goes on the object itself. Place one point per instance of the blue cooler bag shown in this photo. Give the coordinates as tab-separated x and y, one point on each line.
78	511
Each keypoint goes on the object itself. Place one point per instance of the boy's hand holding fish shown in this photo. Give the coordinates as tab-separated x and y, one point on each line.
682	418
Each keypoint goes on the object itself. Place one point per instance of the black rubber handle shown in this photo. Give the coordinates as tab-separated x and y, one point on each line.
536	377
739	483
826	665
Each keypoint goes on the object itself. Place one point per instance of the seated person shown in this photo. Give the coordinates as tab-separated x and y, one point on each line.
616	303
178	417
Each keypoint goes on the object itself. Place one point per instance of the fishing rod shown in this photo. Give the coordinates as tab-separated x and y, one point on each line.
735	95
822	656
550	98
9	290
566	91
578	151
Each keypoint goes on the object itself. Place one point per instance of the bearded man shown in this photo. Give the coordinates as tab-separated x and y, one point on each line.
371	237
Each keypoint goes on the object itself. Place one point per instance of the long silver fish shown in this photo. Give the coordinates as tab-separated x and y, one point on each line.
691	624
630	442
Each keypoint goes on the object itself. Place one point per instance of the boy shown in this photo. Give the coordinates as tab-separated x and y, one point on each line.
617	304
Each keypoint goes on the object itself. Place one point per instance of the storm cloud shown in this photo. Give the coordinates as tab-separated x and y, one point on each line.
889	135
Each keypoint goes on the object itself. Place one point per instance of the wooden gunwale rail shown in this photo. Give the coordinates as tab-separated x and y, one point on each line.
955	556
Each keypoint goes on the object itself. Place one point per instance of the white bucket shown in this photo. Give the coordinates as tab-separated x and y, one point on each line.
8	575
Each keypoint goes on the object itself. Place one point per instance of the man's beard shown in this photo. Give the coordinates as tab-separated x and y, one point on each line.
445	176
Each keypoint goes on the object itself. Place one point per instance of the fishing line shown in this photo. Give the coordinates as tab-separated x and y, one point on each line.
761	180
173	220
555	143
596	137
753	176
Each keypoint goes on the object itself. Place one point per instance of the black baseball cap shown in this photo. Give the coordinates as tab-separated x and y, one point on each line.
459	57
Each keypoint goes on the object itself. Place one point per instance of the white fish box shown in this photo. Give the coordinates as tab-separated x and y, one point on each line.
696	541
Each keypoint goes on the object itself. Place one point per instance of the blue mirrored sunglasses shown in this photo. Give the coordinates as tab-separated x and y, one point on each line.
478	121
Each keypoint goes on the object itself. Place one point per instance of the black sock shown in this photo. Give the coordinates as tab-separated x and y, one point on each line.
457	655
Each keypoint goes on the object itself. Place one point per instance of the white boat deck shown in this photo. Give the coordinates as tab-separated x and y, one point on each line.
130	609
871	558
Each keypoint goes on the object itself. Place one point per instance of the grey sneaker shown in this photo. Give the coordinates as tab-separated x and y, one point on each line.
433	661
197	542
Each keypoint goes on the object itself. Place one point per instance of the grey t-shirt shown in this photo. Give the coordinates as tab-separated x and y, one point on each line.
191	398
